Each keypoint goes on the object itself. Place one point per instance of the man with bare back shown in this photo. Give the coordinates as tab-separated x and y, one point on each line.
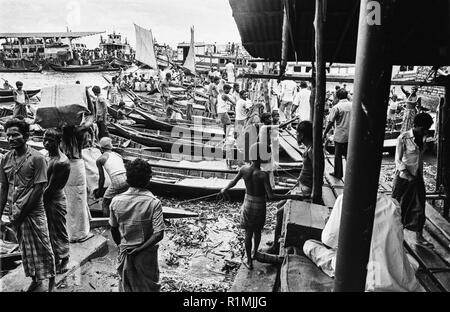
253	210
55	205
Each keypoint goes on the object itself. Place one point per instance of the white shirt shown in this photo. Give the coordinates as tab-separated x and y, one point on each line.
302	101
222	106
288	89
241	107
408	155
230	69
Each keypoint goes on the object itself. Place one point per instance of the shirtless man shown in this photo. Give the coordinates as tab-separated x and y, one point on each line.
253	210
55	205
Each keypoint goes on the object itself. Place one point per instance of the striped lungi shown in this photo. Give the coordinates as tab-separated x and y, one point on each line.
118	185
253	212
56	214
37	255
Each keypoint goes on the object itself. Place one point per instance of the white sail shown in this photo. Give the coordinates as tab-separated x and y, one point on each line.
189	63
145	51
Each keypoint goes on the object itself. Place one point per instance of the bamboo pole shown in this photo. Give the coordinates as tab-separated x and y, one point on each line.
367	128
445	155
320	88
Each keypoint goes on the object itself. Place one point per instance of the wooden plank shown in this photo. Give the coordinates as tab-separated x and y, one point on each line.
303	221
336	184
437	220
441	245
261	279
429	260
292	152
299	274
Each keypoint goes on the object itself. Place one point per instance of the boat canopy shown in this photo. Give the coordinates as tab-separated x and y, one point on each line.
70	35
420	33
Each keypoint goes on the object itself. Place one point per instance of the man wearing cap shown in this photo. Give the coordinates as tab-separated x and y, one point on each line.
113	164
21	101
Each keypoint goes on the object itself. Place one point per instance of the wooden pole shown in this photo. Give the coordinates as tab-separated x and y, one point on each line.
284	39
320	86
445	161
367	128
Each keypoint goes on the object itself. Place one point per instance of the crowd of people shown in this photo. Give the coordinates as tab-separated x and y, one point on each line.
48	200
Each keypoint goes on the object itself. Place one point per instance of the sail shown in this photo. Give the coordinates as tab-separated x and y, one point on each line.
189	63
145	52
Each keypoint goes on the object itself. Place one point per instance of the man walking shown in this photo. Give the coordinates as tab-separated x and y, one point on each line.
288	90
55	199
302	107
409	187
339	117
137	226
23	172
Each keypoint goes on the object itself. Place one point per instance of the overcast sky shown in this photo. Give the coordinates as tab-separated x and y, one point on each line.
169	20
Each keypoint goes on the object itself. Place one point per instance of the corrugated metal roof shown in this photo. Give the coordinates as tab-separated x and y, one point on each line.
51	34
420	33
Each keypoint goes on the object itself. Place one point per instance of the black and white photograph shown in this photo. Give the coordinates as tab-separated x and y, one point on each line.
224	151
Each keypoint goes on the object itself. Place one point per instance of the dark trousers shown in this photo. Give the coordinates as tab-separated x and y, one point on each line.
340	149
102	129
411	196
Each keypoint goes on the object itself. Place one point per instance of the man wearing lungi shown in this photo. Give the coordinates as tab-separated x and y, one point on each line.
137	226
101	112
253	210
55	199
409	187
23	175
113	164
305	180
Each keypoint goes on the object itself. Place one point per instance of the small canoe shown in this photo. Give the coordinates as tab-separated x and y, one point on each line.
20	70
83	68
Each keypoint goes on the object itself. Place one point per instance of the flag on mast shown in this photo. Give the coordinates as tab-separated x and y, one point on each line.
189	63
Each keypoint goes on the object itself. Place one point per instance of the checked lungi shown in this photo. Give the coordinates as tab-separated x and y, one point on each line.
139	273
34	240
253	212
56	214
118	186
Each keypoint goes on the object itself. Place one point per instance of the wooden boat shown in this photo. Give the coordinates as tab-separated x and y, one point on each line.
170	144
153	123
20	70
83	68
189	164
7	95
192	187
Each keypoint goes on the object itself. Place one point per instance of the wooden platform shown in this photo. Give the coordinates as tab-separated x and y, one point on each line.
80	253
262	278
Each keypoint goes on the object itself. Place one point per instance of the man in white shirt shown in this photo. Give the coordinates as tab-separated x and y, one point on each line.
242	106
288	90
340	116
230	72
222	108
302	107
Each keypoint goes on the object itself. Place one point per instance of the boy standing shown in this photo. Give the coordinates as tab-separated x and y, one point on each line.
253	210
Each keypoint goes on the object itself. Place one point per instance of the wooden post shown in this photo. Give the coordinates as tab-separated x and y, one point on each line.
438	135
445	160
284	39
20	48
319	103
367	129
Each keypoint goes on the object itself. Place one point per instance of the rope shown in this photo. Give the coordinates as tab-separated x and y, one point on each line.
198	198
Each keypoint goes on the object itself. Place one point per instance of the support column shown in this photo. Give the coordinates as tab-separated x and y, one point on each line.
367	128
319	103
445	160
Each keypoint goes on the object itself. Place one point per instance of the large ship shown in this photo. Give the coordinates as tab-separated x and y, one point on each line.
23	52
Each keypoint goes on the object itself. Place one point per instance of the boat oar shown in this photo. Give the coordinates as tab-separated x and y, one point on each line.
287	123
